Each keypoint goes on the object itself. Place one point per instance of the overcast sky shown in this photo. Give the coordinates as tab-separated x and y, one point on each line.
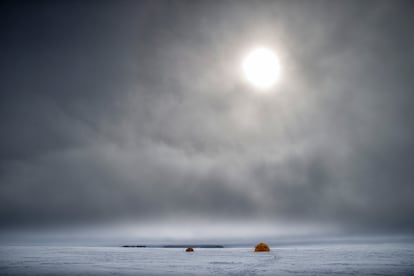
138	110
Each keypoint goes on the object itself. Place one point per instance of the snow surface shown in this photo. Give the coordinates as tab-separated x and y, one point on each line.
330	259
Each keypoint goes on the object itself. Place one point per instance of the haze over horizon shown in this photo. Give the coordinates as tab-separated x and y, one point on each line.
136	113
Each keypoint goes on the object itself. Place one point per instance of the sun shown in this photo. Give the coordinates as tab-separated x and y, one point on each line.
261	68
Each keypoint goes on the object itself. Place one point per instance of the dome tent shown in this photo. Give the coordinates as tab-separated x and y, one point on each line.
190	249
261	247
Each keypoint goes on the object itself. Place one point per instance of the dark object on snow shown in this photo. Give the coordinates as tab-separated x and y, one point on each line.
193	246
262	247
190	249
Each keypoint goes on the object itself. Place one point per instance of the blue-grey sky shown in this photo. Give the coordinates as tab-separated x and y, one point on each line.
137	110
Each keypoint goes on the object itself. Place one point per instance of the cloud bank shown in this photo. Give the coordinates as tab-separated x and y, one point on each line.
138	111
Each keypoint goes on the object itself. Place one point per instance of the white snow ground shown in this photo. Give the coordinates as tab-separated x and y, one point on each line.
331	259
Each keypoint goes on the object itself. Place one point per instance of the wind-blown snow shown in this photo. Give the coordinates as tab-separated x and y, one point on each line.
338	259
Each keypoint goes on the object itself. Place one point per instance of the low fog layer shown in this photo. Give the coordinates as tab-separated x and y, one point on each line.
136	111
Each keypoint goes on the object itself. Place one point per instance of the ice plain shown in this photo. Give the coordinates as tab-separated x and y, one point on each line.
307	259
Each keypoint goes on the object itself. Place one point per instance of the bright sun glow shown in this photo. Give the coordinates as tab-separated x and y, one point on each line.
262	68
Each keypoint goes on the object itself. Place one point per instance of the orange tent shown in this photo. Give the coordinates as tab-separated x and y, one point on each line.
262	247
189	249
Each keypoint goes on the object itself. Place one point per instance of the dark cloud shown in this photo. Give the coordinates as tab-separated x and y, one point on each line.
137	110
